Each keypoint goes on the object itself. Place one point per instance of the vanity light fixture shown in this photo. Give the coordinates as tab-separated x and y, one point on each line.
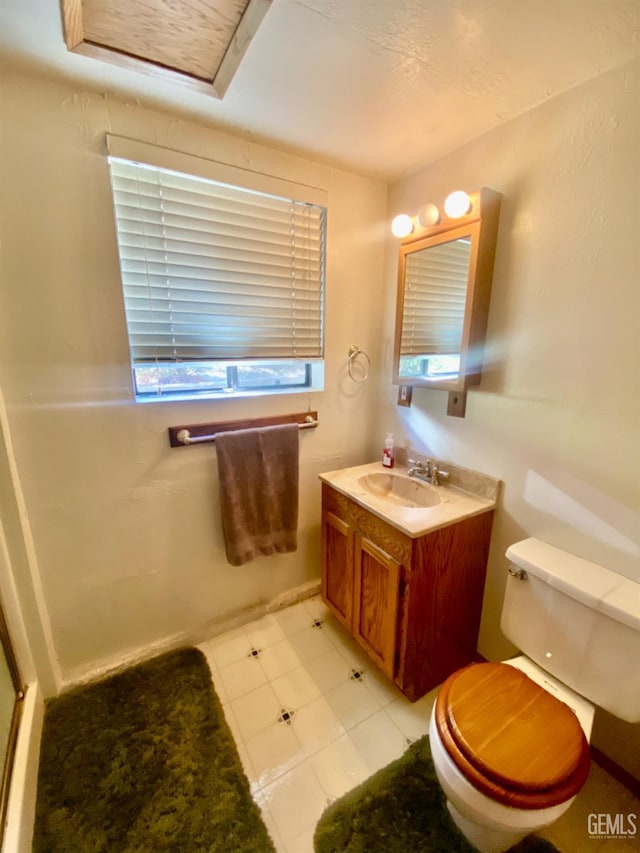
457	204
428	215
402	225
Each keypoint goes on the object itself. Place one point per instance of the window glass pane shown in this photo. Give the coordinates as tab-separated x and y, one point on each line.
272	375
177	378
198	378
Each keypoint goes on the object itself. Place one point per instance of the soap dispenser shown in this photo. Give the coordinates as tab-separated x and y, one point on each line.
388	452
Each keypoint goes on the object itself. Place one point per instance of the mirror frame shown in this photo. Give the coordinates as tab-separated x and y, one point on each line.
481	225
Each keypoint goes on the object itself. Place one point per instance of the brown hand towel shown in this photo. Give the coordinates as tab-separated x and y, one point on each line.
258	476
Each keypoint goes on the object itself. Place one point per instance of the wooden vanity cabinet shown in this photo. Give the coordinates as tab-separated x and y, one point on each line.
413	604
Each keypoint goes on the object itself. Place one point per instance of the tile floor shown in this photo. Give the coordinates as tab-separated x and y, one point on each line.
312	717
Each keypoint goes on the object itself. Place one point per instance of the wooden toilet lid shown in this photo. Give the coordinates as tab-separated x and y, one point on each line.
503	729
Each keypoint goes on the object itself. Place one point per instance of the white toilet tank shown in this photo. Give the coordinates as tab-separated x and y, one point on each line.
578	621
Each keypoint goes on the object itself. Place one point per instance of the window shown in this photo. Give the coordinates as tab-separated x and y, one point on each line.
223	283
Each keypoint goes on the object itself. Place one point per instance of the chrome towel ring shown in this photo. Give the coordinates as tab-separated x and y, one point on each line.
354	352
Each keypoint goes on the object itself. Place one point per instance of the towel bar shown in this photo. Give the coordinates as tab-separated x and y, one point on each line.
182	436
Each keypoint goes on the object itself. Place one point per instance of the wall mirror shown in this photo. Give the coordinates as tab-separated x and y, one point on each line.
444	284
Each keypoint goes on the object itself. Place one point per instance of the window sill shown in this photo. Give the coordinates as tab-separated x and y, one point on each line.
191	397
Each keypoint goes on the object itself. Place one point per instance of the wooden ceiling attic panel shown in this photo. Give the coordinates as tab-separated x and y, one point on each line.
197	42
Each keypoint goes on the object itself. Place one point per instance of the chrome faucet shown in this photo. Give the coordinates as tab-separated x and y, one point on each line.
427	471
420	470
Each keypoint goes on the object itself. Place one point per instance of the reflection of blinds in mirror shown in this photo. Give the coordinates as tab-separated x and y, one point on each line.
434	299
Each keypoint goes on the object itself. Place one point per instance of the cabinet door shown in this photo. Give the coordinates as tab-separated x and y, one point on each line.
337	567
377	579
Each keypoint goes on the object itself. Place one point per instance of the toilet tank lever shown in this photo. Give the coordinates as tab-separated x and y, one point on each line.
520	574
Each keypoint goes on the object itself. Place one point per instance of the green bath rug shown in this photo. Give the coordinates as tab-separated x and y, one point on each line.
144	761
401	809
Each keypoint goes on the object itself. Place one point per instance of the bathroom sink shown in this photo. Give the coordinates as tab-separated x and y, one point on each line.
399	490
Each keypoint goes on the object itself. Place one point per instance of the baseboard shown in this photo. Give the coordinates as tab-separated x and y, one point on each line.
21	806
257	611
616	771
293	596
95	672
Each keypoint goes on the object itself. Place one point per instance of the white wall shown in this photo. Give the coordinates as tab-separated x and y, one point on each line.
126	531
557	415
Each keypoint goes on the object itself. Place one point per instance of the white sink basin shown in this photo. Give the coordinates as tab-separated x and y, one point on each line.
399	490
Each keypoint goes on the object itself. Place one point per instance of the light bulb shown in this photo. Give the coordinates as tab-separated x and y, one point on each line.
457	204
402	225
428	215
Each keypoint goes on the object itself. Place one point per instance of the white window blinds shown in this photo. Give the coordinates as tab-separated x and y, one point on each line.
435	296
215	272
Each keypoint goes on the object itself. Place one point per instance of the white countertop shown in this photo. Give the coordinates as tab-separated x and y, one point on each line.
455	504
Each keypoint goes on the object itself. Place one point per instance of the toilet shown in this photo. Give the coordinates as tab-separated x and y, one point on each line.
510	740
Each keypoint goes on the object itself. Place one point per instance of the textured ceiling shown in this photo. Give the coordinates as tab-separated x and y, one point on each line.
378	86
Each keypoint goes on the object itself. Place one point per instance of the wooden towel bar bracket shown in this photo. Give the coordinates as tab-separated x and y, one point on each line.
182	436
